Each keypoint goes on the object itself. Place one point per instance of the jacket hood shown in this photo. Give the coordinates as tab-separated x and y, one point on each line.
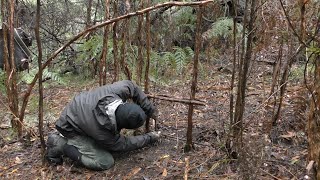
130	116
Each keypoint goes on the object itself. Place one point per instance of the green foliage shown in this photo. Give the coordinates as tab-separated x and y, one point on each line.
297	72
90	53
91	48
2	81
27	77
167	64
314	50
186	18
223	28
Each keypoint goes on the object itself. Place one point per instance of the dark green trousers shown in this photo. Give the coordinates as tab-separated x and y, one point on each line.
93	156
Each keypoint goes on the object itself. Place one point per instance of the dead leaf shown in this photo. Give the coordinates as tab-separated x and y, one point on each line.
294	159
13	171
165	172
164	157
18	160
289	135
4	126
132	173
310	165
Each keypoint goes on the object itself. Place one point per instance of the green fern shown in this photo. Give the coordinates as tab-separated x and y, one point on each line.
91	48
223	28
180	58
189	52
27	77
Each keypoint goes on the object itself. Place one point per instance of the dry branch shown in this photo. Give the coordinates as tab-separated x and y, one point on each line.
174	99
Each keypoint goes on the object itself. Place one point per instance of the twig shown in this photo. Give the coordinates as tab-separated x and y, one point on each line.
270	174
186	170
174	99
184	139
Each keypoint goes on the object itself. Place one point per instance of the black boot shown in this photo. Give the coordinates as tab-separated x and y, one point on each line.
55	144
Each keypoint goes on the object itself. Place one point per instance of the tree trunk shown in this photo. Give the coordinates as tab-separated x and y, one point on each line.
115	43
146	75
103	60
9	62
124	38
88	17
197	47
314	122
242	83
40	115
140	46
148	39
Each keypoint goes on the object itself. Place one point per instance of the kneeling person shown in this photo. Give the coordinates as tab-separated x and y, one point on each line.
90	125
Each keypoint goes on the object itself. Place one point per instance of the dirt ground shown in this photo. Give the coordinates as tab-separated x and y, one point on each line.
278	153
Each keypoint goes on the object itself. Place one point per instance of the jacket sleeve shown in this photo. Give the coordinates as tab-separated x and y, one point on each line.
127	89
124	143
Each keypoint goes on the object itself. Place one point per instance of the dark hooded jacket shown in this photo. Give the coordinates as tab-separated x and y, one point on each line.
86	115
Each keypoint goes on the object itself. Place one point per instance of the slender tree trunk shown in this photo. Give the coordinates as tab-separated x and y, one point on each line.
242	83
40	115
140	46
115	43
103	60
148	44
314	122
189	144
148	47
234	60
12	74
124	38
89	10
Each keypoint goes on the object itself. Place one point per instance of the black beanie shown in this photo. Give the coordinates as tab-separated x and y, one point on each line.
130	116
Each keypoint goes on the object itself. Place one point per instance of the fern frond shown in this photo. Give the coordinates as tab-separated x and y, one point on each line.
222	28
189	51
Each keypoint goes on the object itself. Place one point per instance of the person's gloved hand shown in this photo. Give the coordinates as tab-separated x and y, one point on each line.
154	136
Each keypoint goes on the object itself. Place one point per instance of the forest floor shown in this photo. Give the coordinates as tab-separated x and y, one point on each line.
267	153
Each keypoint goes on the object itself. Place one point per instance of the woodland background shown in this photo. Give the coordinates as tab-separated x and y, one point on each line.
236	84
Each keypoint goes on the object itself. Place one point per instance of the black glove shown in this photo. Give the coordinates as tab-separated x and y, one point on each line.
154	136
